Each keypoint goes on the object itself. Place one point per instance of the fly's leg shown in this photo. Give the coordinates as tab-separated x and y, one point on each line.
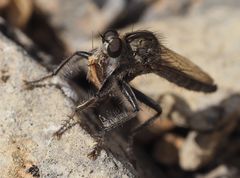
109	124
102	92
98	146
82	54
129	94
104	89
132	96
119	119
71	122
68	124
113	121
150	103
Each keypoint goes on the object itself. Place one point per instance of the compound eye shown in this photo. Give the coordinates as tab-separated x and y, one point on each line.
109	34
114	47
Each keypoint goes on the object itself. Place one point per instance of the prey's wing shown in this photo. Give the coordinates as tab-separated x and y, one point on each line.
166	63
183	72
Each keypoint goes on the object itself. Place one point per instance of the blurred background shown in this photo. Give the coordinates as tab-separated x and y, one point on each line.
198	134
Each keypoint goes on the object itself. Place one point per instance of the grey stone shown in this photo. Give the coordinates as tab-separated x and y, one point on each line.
30	117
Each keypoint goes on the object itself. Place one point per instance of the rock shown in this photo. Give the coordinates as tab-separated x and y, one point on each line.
25	42
175	109
166	149
221	171
200	148
30	117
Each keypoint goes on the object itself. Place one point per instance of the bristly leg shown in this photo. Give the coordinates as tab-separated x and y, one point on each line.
109	123
67	125
100	137
82	54
113	121
71	122
150	103
129	94
41	85
103	91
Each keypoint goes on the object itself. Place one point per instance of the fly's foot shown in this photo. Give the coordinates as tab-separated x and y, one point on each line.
29	85
68	124
35	83
98	146
93	155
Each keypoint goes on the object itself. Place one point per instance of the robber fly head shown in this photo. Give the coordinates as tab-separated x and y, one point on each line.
112	43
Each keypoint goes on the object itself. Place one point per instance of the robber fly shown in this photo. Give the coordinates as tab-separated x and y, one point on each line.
121	58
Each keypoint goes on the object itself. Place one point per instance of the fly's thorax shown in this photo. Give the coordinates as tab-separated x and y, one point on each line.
145	47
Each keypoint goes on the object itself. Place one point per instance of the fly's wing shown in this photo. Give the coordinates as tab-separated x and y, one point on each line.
183	72
166	63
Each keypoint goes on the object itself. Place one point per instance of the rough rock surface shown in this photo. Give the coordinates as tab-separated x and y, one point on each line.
30	117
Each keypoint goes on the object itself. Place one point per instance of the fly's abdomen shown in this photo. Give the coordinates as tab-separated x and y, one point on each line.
185	81
183	72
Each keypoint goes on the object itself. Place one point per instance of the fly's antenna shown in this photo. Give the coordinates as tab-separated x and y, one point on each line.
101	36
